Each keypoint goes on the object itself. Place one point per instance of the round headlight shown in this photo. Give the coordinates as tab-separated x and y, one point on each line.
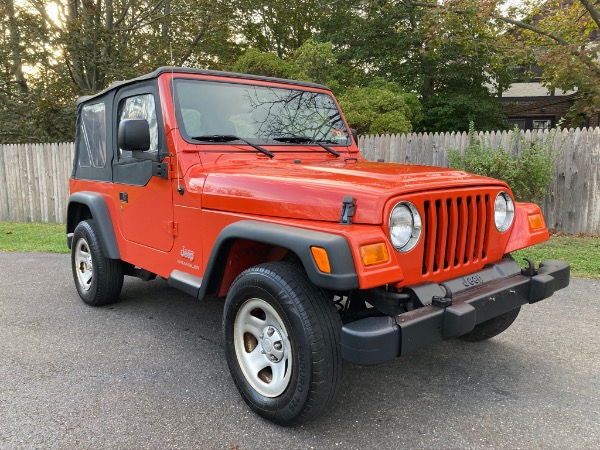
405	226
504	211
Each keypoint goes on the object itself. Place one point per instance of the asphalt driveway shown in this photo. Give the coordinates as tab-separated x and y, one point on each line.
149	372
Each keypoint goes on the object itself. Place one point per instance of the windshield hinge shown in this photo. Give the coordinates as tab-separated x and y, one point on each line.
348	207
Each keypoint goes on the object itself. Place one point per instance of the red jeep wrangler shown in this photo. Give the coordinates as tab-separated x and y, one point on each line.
253	190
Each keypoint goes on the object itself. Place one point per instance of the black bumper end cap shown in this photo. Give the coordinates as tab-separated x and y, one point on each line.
552	276
370	341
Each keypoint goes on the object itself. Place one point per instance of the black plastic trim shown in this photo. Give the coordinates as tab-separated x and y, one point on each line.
343	275
368	341
97	205
185	282
185	70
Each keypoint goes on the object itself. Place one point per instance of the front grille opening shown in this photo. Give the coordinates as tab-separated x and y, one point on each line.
425	232
469	230
486	233
439	226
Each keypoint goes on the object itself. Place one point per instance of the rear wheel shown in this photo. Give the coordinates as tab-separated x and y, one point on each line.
492	327
98	279
282	342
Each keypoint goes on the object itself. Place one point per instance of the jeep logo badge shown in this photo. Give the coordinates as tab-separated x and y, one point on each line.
188	254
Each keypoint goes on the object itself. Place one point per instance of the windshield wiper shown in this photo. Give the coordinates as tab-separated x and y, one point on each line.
306	139
230	138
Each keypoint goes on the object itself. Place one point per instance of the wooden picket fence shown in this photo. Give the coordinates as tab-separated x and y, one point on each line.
34	177
34	181
572	202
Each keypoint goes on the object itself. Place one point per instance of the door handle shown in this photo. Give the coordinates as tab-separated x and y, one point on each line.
123	197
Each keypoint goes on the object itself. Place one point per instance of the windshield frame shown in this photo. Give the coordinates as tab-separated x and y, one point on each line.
285	146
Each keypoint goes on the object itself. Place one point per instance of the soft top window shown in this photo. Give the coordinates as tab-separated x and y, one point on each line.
92	136
140	107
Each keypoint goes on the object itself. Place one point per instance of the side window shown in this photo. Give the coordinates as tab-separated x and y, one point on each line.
140	107
92	136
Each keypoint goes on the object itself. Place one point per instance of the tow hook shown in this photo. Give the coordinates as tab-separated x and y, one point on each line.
529	271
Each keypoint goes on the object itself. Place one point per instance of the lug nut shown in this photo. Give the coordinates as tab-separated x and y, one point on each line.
277	345
272	358
261	336
270	331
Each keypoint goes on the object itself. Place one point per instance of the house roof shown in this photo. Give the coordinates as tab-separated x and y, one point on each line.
533	89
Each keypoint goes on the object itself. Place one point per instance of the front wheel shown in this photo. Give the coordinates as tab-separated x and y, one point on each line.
98	279
282	342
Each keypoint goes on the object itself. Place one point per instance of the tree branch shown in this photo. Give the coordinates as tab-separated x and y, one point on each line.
592	10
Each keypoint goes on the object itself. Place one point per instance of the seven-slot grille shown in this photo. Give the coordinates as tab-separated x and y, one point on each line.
456	231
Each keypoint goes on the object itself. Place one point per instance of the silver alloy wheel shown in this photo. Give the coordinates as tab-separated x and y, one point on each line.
83	264
262	347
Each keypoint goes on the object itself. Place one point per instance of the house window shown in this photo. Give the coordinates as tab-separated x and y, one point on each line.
516	122
542	125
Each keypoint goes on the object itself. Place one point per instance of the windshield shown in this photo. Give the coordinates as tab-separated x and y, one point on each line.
257	113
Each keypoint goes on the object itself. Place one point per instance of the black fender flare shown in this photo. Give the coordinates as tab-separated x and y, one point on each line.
342	278
99	210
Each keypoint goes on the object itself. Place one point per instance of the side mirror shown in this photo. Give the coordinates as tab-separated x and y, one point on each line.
354	135
134	135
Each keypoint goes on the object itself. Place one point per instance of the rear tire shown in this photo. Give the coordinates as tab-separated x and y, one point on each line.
282	342
98	279
492	327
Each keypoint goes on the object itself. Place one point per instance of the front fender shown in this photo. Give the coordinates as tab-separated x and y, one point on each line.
343	276
523	233
96	203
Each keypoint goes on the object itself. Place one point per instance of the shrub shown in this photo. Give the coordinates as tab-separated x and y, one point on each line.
528	174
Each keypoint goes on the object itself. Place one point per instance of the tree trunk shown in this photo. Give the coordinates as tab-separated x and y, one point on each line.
15	47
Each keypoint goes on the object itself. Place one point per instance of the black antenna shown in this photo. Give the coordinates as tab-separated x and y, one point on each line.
180	189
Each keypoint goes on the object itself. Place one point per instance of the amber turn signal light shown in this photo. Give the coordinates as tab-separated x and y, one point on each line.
321	258
536	221
374	254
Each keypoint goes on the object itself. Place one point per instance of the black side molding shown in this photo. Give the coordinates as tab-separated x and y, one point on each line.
185	282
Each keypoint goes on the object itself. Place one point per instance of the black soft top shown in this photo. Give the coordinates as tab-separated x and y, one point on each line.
169	69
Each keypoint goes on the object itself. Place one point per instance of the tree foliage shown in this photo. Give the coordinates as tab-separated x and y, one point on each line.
381	57
444	54
54	51
562	38
380	107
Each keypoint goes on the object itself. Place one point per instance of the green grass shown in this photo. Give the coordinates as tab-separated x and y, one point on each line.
33	237
582	252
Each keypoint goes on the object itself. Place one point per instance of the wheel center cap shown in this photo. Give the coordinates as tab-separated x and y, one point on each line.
267	345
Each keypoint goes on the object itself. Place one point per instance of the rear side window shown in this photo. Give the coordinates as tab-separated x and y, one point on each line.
140	107
92	132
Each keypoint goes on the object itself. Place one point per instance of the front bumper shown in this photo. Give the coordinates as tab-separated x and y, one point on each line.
450	309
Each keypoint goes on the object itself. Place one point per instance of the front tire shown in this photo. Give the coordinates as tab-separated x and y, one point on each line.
98	279
282	342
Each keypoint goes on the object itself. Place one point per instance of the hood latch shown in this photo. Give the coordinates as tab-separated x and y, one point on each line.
348	207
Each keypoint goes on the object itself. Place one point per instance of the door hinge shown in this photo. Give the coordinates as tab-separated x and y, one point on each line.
160	170
171	228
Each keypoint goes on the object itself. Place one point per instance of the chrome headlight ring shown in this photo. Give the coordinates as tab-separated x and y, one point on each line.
405	226
504	211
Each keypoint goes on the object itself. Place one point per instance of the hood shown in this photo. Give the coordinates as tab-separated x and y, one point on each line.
315	191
